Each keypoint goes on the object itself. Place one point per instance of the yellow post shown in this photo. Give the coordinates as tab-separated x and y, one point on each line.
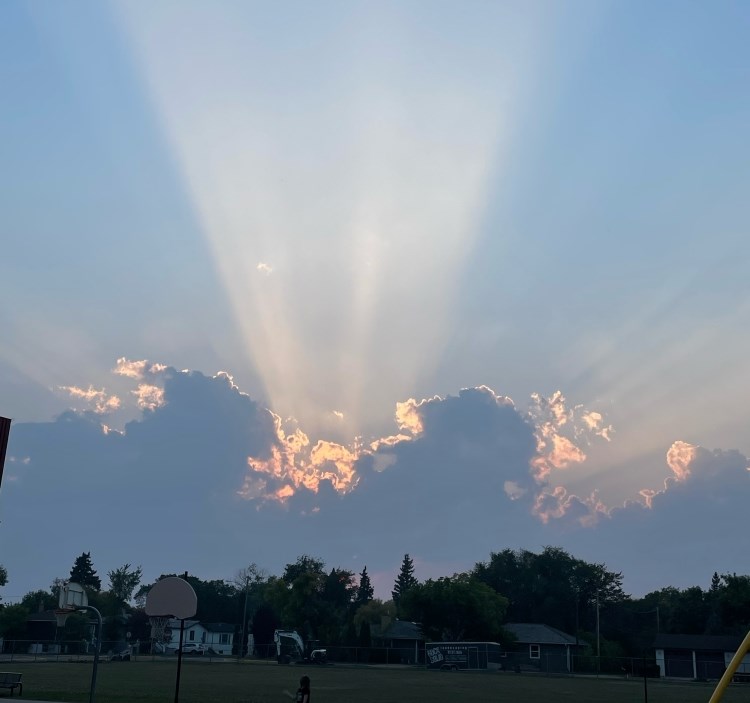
729	673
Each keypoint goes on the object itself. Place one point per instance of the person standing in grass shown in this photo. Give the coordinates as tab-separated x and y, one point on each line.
303	692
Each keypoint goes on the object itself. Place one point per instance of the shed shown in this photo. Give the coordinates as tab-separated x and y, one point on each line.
405	637
697	656
540	647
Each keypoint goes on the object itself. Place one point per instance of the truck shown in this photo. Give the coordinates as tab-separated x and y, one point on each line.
290	649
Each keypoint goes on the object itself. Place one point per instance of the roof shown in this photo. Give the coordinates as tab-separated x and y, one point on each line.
218	627
533	633
723	643
174	623
402	630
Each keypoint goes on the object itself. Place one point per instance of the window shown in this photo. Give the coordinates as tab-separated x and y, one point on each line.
224	638
192	635
534	652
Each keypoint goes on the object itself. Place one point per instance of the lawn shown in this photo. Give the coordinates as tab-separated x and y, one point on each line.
251	682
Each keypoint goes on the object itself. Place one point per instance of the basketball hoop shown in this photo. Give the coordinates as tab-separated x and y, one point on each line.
159	627
61	615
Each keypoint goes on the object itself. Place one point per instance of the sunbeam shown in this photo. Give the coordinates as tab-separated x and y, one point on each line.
340	175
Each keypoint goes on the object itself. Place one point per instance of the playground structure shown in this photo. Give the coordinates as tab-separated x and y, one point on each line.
726	679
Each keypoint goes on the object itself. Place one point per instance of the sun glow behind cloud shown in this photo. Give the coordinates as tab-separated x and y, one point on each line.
352	154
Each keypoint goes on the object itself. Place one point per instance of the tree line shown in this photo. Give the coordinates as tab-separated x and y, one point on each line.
337	607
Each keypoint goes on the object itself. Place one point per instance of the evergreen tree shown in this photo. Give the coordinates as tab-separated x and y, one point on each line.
84	574
405	579
365	591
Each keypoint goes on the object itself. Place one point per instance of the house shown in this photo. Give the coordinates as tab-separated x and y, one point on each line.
194	632
404	638
697	656
540	648
219	637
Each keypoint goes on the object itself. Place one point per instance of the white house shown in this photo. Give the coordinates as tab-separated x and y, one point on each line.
217	636
194	632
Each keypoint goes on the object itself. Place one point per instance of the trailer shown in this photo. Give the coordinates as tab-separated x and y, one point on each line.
469	656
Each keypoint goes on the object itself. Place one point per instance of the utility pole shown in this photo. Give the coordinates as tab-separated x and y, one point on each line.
598	649
243	642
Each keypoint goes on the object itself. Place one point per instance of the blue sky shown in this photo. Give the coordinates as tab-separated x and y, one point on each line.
345	206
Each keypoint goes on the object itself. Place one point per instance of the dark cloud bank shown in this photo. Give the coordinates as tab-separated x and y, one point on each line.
460	479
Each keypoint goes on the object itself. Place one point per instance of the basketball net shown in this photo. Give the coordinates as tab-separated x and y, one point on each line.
61	615
159	628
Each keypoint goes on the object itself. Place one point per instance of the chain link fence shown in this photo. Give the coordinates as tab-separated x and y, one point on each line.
550	664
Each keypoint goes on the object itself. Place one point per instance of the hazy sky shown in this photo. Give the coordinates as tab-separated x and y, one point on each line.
357	279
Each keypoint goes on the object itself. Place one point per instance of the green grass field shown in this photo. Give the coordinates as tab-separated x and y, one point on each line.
230	682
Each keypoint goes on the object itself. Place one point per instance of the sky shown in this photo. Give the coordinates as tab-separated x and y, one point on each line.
360	279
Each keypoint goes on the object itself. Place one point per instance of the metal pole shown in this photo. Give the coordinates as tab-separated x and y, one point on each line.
598	650
726	678
244	621
96	649
645	681
179	663
578	596
179	655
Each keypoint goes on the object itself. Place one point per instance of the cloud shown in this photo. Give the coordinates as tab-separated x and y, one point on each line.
205	464
130	369
264	268
98	400
679	458
149	397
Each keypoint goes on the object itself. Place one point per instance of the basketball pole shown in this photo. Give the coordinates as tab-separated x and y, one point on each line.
179	654
97	648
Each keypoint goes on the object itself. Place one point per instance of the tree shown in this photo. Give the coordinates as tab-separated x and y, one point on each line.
552	587
365	635
365	591
305	564
456	608
123	581
37	601
13	621
405	579
84	574
3	577
734	603
375	612
56	586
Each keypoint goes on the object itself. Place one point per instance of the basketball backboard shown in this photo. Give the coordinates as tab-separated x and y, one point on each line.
72	595
172	596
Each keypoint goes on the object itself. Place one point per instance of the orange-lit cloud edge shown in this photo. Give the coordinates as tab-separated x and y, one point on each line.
562	434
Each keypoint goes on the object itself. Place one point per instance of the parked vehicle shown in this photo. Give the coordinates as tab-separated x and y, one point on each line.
290	649
193	648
